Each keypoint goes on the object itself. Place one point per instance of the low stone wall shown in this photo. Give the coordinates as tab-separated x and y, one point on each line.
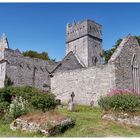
88	84
123	119
51	128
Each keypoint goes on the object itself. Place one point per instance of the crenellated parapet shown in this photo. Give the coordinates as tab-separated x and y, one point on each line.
83	28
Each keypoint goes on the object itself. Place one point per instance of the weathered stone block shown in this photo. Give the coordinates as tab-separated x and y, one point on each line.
47	124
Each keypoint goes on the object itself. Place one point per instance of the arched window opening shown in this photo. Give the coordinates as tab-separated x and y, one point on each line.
135	74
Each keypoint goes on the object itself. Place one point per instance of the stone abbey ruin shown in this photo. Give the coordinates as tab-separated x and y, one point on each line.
81	71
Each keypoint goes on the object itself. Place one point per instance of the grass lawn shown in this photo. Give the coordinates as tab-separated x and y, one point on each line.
88	124
5	131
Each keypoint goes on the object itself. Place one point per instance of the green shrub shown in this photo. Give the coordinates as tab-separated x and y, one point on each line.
126	102
35	98
17	111
7	118
25	92
43	101
104	103
4	107
5	95
18	107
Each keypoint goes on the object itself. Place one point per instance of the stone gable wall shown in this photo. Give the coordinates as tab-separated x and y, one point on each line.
87	83
80	48
27	71
123	70
69	62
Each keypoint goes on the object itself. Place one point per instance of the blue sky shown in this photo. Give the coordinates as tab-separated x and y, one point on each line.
41	26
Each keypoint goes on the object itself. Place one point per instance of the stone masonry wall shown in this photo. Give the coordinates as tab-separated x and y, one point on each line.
123	70
87	83
84	39
2	73
27	71
94	50
80	48
80	29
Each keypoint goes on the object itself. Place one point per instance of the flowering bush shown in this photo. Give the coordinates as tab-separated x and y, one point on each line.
18	107
121	91
36	99
120	100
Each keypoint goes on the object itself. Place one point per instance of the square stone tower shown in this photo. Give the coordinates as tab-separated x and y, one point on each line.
84	39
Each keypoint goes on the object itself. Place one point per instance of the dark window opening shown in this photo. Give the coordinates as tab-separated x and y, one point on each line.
28	67
94	60
20	65
41	69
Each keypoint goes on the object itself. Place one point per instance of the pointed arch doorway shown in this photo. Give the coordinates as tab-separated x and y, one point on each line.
135	74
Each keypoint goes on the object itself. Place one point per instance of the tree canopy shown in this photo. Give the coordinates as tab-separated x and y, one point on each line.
34	54
138	39
108	53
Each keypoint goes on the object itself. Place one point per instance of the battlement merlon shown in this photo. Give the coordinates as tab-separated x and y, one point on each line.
83	28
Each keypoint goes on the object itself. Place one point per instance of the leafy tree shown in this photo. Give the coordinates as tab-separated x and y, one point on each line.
34	54
138	39
108	53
